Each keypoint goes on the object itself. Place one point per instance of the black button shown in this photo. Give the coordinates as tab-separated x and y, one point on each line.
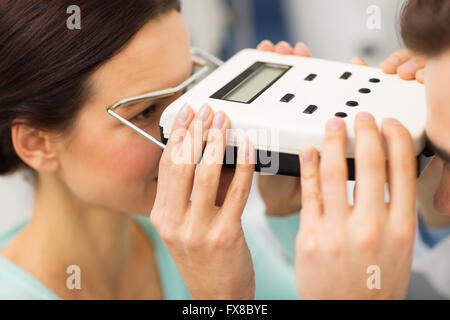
364	90
311	77
310	109
341	115
352	103
346	75
374	80
288	97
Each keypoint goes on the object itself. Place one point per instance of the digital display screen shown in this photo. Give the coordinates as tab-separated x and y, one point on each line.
252	82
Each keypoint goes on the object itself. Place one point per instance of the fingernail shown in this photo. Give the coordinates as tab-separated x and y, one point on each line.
393	60
334	124
300	45
307	155
219	119
183	114
266	43
364	116
301	49
410	67
283	47
392	121
203	114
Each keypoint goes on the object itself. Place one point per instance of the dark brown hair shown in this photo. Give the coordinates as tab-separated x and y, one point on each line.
425	26
45	67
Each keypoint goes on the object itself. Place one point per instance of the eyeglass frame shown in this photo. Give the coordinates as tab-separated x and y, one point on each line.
200	58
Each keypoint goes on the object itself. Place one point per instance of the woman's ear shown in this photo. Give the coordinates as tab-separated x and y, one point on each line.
34	147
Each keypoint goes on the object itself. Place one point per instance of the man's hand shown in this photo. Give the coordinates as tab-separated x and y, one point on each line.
407	65
339	247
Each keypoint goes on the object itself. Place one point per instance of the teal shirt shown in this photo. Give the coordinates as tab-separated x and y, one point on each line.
274	277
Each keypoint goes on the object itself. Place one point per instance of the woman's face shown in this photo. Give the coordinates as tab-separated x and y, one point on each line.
103	162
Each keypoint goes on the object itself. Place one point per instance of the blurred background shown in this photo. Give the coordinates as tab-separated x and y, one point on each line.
332	29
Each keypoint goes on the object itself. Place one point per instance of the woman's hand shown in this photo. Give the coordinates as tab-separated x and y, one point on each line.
407	65
282	194
340	249
206	242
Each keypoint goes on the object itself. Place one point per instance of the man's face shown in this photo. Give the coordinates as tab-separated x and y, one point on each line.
437	80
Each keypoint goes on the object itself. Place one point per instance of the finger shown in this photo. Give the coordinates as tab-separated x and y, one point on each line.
358	61
333	169
420	75
266	45
391	64
185	159
310	186
284	48
301	50
370	164
402	169
408	70
195	140
239	189
178	132
207	177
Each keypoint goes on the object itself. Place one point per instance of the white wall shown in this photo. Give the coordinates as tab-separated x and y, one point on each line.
337	29
207	21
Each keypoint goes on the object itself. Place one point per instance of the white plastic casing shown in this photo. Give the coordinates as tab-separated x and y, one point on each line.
390	98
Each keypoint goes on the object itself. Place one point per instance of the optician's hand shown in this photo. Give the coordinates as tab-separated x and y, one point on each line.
339	248
407	65
206	242
282	194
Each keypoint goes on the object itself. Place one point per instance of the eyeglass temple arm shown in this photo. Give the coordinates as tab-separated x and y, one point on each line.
197	56
197	52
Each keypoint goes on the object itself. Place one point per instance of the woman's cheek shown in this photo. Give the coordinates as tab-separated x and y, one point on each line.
134	169
136	160
116	176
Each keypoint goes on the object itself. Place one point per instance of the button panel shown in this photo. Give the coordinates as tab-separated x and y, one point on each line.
287	97
311	77
311	109
346	75
341	115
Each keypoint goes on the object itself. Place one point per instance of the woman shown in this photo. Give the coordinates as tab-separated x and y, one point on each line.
91	172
